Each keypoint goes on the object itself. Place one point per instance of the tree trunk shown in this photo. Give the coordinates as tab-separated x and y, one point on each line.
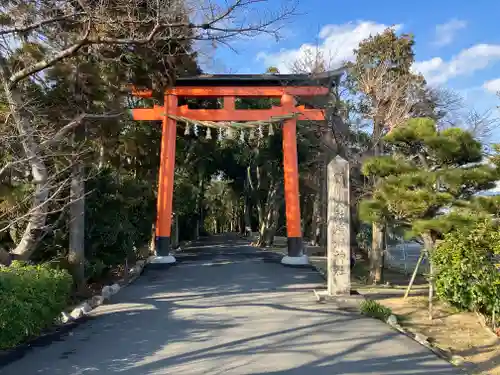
247	209
152	243
316	220
429	243
268	227
262	224
201	223
38	213
175	232
268	217
378	229
5	258
356	181
272	226
102	156
376	259
324	202
76	253
246	217
241	218
199	203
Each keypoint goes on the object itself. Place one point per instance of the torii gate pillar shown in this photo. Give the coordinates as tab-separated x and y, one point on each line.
166	184
296	254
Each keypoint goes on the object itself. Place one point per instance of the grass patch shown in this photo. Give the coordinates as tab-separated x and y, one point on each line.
375	310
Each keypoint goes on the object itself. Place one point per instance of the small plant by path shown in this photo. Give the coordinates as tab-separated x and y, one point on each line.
375	310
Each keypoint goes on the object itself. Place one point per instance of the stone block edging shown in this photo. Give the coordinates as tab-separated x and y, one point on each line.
423	340
420	338
320	271
107	292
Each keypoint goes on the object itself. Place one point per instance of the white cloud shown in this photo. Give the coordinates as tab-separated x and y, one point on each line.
335	42
438	71
446	32
492	86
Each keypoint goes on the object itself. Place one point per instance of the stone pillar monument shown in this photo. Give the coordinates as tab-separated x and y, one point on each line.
338	232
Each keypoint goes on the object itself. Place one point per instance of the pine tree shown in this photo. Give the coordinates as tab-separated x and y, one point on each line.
426	181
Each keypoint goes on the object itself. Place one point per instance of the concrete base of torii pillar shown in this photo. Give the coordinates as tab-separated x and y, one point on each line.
159	259
302	260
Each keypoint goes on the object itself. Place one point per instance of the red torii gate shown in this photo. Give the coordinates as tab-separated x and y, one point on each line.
229	87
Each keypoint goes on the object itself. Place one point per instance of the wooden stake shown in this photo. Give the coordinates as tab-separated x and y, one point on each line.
414	275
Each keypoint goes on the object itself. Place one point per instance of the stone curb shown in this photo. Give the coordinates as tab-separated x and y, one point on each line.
71	319
181	246
423	340
320	271
107	292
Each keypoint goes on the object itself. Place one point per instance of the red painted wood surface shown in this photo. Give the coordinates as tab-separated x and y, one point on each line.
157	113
291	170
249	91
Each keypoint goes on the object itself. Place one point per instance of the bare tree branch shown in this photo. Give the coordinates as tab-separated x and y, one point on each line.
36	25
44	64
77	121
481	125
163	27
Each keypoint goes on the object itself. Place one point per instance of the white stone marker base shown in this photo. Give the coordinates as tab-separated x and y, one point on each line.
321	295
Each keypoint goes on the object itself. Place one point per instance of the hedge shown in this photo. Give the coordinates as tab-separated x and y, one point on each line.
31	299
467	276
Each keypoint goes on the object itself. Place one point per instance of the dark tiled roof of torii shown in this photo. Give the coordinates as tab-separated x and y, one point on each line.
321	79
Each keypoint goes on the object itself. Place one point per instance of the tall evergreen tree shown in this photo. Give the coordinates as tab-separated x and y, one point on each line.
381	78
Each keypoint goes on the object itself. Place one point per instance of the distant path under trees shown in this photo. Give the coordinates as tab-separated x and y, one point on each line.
228	308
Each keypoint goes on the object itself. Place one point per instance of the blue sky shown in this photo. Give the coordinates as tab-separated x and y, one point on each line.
457	42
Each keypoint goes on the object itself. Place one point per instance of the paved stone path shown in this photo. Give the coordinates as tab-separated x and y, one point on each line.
227	309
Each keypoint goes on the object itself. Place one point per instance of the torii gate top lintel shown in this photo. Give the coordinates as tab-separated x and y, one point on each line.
229	87
256	85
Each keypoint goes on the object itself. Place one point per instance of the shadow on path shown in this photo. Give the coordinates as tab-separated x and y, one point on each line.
244	316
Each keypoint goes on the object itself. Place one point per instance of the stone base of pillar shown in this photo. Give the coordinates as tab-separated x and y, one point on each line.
163	246
342	300
302	260
162	259
295	246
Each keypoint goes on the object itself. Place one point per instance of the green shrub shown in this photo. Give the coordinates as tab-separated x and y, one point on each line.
31	298
375	310
364	237
119	212
466	276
